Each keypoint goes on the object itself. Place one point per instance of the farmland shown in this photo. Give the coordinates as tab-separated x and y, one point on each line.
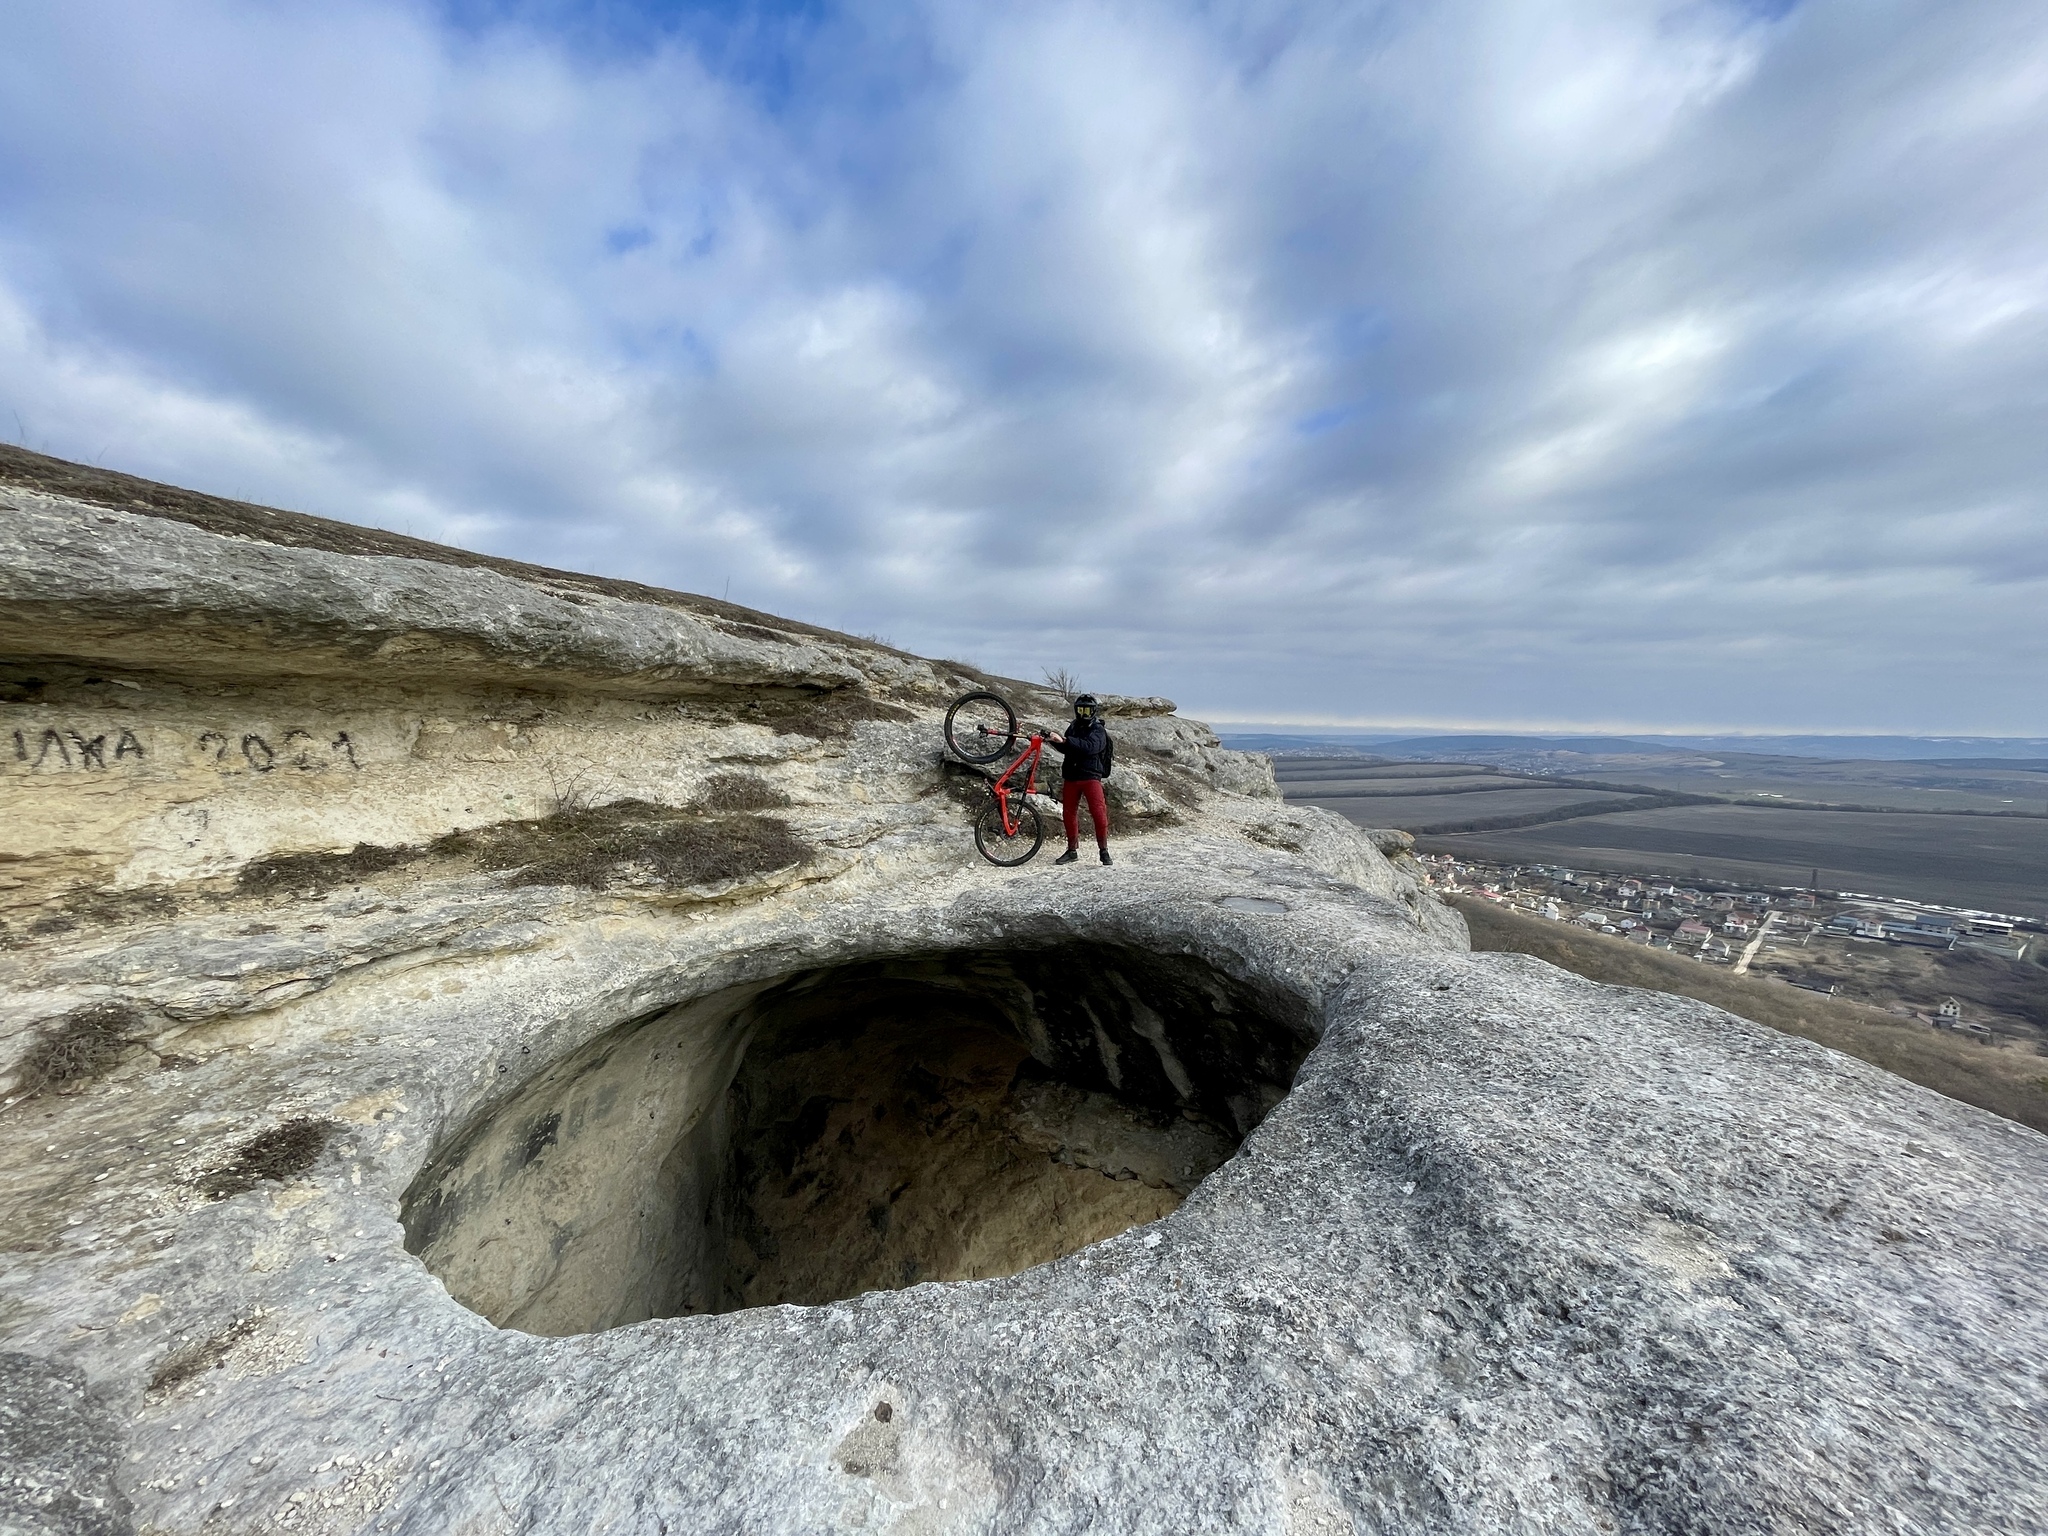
2000	864
1970	833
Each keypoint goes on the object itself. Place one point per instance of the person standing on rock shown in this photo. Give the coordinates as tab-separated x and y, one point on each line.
1089	755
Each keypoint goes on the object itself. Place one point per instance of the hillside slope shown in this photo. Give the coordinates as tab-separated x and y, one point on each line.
2007	1082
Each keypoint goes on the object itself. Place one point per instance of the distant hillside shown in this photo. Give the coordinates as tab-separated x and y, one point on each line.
2006	752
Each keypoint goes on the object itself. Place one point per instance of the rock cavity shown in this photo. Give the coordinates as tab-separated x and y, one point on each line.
949	1116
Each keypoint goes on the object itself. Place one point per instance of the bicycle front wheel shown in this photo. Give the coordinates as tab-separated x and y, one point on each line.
981	727
1009	848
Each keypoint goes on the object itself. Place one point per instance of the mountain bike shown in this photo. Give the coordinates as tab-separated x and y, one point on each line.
981	727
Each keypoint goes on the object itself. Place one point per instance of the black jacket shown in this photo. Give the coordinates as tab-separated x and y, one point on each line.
1087	751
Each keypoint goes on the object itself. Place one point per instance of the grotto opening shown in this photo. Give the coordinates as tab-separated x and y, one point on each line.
956	1115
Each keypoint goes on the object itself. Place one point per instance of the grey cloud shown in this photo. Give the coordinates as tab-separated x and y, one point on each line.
1581	362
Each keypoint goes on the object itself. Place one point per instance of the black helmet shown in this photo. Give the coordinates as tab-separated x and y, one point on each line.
1086	707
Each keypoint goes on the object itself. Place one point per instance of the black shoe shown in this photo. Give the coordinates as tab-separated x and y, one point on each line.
1068	857
1106	858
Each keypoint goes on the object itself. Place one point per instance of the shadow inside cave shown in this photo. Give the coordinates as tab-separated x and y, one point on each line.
951	1116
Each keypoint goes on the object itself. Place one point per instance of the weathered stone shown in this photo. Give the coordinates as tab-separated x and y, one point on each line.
884	1190
58	1453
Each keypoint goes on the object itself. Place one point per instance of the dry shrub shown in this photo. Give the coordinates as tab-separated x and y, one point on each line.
738	792
279	1154
86	1043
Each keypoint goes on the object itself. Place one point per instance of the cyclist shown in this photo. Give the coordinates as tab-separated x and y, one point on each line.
1088	753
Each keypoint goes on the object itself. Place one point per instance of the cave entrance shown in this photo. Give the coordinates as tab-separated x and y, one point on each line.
861	1127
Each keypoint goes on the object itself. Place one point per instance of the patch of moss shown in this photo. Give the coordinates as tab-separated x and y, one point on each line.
626	842
279	1154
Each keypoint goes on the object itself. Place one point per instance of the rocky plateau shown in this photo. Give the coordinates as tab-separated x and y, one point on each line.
488	1049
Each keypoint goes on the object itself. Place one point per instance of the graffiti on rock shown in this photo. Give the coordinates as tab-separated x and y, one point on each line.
51	749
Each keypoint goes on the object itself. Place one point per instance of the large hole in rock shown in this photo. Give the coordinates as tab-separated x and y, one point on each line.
946	1117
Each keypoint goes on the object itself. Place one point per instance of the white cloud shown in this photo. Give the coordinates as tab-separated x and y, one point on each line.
1588	360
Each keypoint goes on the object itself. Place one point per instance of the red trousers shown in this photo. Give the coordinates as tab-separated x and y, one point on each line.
1071	792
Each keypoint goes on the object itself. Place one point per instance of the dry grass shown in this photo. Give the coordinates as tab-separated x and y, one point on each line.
1124	823
85	1044
820	716
308	874
627	842
99	907
2006	1082
181	1365
276	1155
738	792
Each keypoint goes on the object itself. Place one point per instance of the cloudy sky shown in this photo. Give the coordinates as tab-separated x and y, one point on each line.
1540	363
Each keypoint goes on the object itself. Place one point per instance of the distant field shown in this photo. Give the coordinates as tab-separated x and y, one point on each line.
1290	769
1389	789
1418	813
1900	786
1903	849
1993	862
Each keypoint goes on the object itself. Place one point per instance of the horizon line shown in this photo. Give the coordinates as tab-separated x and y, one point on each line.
1525	728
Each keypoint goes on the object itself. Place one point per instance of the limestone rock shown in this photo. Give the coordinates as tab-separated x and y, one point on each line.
492	1051
58	1452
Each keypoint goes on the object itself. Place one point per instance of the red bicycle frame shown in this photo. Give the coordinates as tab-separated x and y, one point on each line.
1002	789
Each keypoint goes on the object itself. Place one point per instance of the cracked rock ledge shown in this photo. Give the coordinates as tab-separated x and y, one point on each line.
493	1050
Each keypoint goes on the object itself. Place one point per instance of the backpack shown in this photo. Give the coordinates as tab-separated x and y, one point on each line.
1108	753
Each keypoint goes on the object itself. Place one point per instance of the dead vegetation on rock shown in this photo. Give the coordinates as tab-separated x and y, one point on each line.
83	1045
208	1354
1124	821
628	842
91	907
821	716
305	874
276	1155
738	792
1272	834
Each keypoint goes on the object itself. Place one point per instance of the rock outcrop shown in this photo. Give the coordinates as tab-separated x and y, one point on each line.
489	1049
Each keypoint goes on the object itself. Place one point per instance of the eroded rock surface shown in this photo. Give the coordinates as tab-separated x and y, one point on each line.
492	1050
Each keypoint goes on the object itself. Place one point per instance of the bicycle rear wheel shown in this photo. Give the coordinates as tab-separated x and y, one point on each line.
1009	848
981	727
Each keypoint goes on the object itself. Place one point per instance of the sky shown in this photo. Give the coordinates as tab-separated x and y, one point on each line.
1513	364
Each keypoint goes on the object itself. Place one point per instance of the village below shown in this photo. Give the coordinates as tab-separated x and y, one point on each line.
1976	975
